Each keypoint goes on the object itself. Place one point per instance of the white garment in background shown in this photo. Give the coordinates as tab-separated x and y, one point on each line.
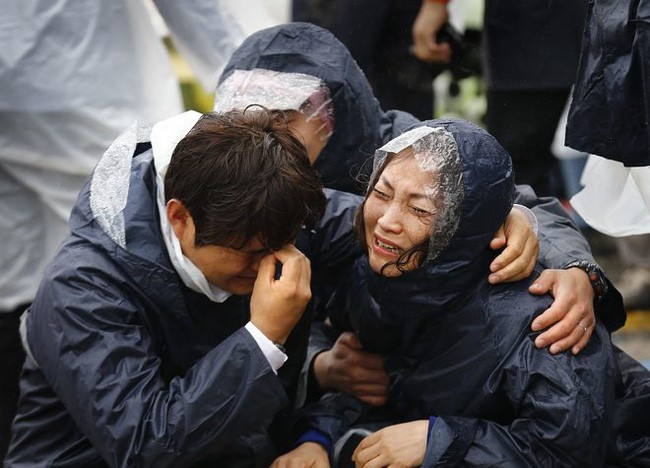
253	15
615	199
74	74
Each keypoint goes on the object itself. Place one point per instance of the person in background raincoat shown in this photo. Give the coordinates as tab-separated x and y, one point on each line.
73	76
467	384
161	333
280	67
609	118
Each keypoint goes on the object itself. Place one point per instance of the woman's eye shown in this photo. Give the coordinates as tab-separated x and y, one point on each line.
420	211
380	194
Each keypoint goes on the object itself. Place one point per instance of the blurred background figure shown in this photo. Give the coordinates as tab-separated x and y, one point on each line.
73	75
253	15
379	35
608	119
531	55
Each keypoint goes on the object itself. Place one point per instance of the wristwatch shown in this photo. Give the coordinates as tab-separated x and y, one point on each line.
595	275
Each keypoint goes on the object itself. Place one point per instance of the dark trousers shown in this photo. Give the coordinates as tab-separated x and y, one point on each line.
378	36
524	122
12	357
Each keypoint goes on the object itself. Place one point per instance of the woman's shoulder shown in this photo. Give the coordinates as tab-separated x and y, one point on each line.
509	308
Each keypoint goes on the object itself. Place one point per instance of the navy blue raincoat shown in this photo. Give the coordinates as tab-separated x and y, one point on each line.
461	349
129	367
361	126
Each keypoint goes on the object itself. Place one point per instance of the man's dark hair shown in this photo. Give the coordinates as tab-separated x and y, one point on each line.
241	175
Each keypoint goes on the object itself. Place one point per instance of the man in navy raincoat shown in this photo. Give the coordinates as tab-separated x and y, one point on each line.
160	332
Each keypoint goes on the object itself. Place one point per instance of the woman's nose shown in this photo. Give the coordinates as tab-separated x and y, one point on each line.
391	219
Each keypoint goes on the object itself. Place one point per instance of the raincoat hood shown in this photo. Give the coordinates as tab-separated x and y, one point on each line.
360	125
479	197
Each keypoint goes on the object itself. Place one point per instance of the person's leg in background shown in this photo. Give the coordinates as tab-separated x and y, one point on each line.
34	209
399	79
358	24
571	164
524	122
20	212
13	356
380	44
634	283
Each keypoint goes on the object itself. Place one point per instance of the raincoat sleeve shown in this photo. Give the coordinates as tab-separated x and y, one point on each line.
562	243
102	362
332	248
205	34
560	412
333	413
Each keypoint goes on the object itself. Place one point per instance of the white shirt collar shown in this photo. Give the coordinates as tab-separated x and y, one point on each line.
165	135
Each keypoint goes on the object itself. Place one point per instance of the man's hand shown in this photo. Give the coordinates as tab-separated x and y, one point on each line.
306	455
431	17
349	369
571	314
518	259
276	305
398	445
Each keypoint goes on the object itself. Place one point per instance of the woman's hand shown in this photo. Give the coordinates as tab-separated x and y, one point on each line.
398	445
306	455
572	313
518	259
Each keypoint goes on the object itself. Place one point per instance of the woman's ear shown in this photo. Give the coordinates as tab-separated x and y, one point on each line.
180	220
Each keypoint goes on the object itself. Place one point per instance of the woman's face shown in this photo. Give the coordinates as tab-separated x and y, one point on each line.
312	133
398	213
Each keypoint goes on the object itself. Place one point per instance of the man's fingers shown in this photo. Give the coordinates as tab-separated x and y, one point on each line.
430	51
366	360
373	400
555	338
514	271
375	394
583	341
440	52
367	449
373	382
577	338
428	40
499	239
550	316
350	339
515	263
569	331
370	389
295	266
266	270
543	283
511	253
